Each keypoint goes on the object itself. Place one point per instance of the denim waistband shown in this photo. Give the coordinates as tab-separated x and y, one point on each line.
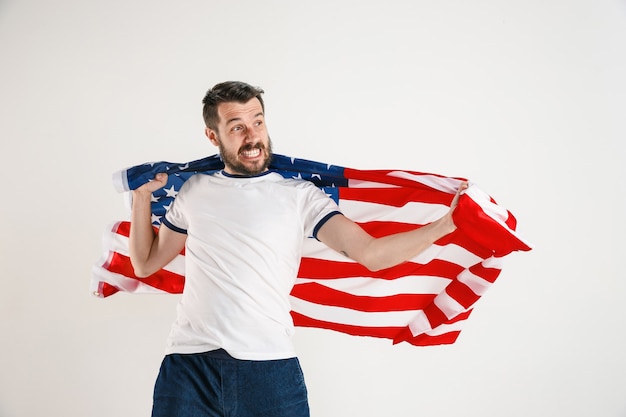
218	354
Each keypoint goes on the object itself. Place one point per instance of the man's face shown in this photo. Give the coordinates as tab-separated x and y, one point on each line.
242	138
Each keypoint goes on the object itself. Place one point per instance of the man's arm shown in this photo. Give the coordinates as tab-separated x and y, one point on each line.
347	237
150	251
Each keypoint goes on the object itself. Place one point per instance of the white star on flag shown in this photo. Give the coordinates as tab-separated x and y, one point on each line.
171	192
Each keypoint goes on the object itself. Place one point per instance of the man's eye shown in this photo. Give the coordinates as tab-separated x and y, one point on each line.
236	128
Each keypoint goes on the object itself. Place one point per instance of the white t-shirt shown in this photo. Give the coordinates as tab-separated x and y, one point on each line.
243	249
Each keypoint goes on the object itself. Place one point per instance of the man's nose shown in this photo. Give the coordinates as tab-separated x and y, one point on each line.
251	134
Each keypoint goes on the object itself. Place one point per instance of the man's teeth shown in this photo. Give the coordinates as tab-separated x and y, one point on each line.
251	153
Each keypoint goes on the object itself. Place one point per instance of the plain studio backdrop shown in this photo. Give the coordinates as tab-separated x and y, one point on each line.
526	99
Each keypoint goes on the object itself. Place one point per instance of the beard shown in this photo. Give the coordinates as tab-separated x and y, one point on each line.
237	167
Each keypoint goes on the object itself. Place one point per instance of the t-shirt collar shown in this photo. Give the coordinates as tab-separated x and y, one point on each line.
261	174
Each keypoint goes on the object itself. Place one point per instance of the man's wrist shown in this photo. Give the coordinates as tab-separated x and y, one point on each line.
141	195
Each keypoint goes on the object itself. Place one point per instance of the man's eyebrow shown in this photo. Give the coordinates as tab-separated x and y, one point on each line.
237	119
234	119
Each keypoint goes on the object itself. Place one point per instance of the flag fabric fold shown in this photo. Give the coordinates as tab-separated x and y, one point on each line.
423	301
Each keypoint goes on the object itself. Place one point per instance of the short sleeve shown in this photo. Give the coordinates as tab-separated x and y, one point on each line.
318	208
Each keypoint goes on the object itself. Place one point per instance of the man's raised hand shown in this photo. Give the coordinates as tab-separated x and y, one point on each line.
455	201
158	182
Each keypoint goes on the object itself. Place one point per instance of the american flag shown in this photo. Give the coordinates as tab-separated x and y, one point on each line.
423	301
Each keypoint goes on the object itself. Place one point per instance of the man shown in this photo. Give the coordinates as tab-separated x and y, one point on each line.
229	352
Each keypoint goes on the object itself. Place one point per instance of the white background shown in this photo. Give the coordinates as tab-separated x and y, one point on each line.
525	98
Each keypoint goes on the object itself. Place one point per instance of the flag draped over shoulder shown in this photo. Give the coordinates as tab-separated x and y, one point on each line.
423	301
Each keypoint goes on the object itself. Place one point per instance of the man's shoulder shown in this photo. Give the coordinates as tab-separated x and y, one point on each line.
295	182
202	176
198	180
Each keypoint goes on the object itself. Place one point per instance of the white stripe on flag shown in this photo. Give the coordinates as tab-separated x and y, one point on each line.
477	284
369	184
448	305
445	184
456	254
376	287
351	317
125	284
343	316
412	212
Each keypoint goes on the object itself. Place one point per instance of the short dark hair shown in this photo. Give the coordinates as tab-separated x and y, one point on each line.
228	91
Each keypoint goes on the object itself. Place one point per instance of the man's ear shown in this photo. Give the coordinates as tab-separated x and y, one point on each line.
212	135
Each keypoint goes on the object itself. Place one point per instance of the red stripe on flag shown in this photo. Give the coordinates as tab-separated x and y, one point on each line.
484	230
123	229
164	280
105	289
511	221
462	293
383	177
435	315
301	320
324	269
384	228
488	274
396	197
319	294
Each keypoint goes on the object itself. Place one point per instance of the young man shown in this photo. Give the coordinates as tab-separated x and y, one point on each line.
229	352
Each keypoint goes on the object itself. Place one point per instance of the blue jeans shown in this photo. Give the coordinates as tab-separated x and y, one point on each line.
213	384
